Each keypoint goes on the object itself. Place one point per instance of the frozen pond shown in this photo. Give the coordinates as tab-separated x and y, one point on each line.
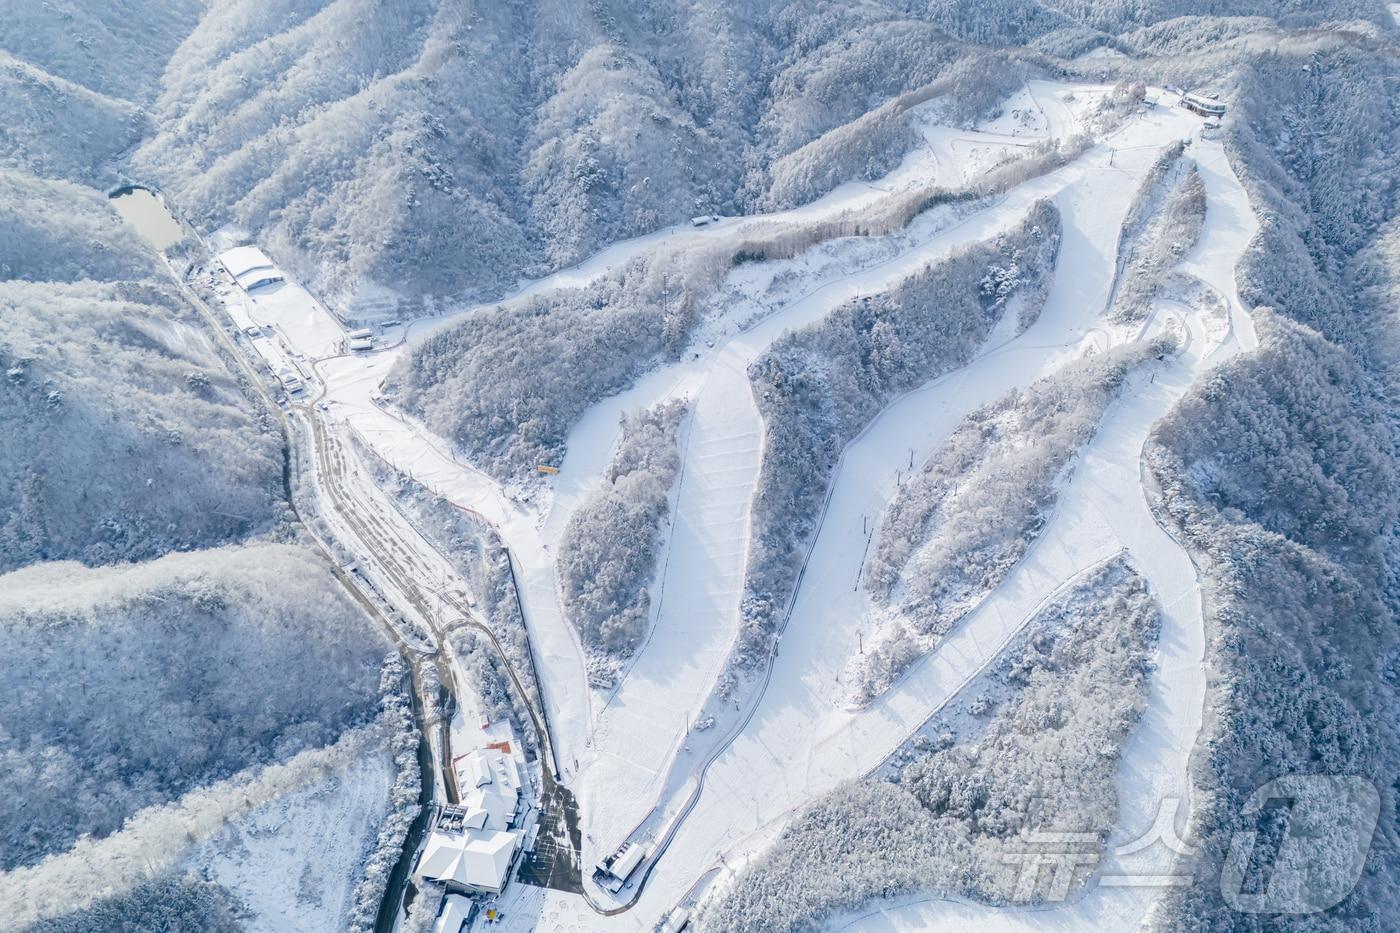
148	214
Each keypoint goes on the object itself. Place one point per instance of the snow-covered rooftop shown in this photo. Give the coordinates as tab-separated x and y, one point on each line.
477	858
456	911
242	259
490	784
250	267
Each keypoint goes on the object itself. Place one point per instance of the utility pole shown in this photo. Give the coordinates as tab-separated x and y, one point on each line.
911	459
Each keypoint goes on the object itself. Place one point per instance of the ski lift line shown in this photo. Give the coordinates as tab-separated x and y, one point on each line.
1000	647
962	685
863	555
995	655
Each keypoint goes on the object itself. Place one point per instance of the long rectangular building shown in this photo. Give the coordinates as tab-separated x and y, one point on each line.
250	267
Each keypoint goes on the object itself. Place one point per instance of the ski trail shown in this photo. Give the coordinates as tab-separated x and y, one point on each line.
657	701
624	787
1102	510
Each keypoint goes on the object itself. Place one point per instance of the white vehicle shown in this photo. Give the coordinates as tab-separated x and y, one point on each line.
253	330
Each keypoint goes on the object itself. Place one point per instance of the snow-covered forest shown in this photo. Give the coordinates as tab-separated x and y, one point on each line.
133	685
126	437
1280	471
607	557
508	382
169	640
818	388
478	165
173	903
1027	748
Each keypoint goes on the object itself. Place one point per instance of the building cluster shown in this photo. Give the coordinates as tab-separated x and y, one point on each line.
473	845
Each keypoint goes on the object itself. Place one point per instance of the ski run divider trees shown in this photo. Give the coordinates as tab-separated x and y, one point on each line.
959	525
1164	222
609	550
819	387
506	383
1030	746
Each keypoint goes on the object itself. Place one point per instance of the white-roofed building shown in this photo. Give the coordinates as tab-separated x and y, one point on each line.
490	783
1203	105
454	913
474	861
473	770
250	267
472	847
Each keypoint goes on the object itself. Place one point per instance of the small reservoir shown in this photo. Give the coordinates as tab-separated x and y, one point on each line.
141	208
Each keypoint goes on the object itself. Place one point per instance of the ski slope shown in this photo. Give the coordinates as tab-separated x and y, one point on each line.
1087	186
800	743
712	798
804	746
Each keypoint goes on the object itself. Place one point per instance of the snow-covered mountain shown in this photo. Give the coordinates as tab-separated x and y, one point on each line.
831	450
